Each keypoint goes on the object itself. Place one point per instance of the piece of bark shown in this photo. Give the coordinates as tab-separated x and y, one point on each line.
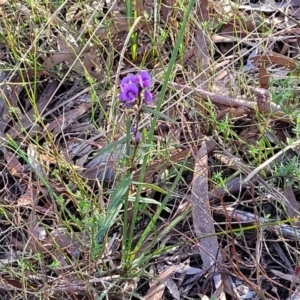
201	44
203	221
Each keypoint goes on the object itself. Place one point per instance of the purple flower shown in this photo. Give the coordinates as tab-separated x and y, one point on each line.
144	79
137	137
130	78
132	85
148	96
128	93
136	134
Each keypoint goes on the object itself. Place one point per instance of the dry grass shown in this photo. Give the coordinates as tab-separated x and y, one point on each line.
209	207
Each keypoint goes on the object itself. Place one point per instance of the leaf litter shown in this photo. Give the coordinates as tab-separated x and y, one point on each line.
230	228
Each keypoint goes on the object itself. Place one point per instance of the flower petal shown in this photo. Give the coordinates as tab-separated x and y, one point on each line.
133	78
148	96
131	90
124	82
130	78
123	96
145	79
137	137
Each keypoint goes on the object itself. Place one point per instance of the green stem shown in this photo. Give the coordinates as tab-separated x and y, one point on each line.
131	16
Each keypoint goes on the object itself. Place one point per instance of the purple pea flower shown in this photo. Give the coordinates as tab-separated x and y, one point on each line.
136	134
128	94
130	78
144	79
148	96
132	85
137	137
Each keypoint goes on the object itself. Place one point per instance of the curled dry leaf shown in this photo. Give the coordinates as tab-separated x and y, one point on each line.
29	197
28	120
234	112
173	289
62	122
13	164
201	44
80	60
238	26
157	287
263	77
277	59
202	218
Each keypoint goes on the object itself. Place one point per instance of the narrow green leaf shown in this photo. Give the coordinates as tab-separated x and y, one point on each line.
155	118
151	186
110	147
114	207
159	114
152	223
